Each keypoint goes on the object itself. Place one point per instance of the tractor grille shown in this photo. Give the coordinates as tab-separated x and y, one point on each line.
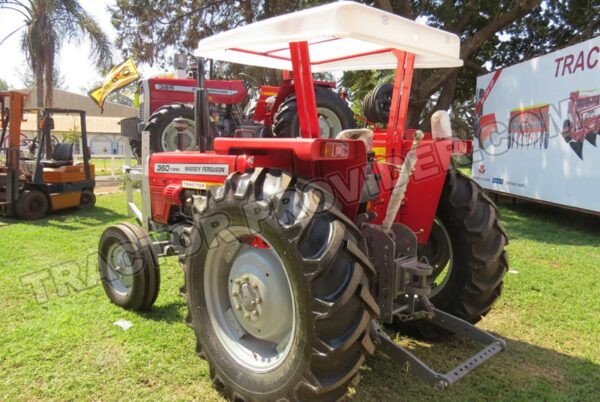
141	111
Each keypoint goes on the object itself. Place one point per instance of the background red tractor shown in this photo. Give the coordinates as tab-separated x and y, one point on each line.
271	111
294	250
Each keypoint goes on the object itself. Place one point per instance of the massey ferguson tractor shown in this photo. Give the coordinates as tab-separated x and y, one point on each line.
297	251
166	111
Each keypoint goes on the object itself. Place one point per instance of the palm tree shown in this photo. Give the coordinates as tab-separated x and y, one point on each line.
49	24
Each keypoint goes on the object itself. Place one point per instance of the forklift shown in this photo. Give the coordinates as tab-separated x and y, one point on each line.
48	179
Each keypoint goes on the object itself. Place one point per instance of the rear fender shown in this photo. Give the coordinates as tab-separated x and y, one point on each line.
425	186
172	172
341	177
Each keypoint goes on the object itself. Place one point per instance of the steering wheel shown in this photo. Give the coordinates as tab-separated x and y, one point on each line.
250	81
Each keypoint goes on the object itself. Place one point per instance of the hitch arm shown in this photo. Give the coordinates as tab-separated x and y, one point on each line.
440	381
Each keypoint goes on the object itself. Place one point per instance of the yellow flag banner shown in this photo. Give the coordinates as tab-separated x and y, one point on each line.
119	77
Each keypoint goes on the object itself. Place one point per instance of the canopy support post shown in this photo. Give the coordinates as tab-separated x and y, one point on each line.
305	90
399	107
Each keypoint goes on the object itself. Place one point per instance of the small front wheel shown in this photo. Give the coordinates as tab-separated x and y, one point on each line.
88	199
128	267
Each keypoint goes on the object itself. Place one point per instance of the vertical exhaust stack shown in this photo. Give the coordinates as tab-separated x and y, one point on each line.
201	108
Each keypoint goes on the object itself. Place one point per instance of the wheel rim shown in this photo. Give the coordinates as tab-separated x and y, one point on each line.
249	301
440	255
36	205
169	135
329	123
119	269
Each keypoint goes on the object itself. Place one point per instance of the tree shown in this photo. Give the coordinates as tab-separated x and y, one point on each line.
50	23
149	31
28	79
4	85
493	34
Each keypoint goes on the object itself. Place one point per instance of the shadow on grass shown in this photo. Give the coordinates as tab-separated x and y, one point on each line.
549	224
523	372
69	219
169	313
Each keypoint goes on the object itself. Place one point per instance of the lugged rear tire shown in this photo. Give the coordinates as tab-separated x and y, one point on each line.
479	260
158	123
329	104
328	276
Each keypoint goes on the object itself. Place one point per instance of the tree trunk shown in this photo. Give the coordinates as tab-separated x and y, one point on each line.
444	100
39	94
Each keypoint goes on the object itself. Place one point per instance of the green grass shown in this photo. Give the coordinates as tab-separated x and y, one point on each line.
103	166
67	348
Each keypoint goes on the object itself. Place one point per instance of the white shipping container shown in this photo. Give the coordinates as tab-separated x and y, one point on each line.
537	128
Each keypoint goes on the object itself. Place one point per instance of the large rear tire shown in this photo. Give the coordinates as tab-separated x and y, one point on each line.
334	115
163	135
277	288
466	250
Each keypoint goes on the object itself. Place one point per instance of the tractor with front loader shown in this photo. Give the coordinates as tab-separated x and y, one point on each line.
297	251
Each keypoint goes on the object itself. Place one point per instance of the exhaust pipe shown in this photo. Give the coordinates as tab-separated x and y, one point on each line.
201	115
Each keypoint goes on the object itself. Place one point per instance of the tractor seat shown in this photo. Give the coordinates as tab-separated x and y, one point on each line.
62	155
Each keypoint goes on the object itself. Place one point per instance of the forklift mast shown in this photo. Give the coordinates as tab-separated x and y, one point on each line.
11	106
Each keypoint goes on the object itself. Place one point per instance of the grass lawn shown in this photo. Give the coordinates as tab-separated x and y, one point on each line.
64	346
103	166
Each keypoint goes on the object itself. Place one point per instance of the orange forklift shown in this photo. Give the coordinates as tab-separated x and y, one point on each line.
48	179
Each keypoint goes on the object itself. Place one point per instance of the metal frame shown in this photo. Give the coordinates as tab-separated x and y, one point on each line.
400	98
11	182
138	174
305	90
493	346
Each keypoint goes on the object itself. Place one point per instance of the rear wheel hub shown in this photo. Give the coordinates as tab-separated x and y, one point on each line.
249	300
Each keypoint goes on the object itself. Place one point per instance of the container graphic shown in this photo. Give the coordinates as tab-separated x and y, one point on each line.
583	120
529	127
537	125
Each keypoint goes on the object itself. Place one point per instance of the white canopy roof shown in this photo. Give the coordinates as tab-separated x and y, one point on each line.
341	36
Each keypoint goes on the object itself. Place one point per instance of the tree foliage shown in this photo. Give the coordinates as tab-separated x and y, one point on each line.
49	24
493	34
28	79
3	85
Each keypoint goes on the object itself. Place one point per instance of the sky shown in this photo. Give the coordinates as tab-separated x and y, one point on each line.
74	59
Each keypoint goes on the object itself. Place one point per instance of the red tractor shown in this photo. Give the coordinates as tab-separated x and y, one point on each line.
296	250
163	100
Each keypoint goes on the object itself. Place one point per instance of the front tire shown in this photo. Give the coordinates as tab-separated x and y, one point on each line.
318	287
128	267
32	205
88	199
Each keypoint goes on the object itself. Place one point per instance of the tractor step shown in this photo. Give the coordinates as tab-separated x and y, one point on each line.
440	381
